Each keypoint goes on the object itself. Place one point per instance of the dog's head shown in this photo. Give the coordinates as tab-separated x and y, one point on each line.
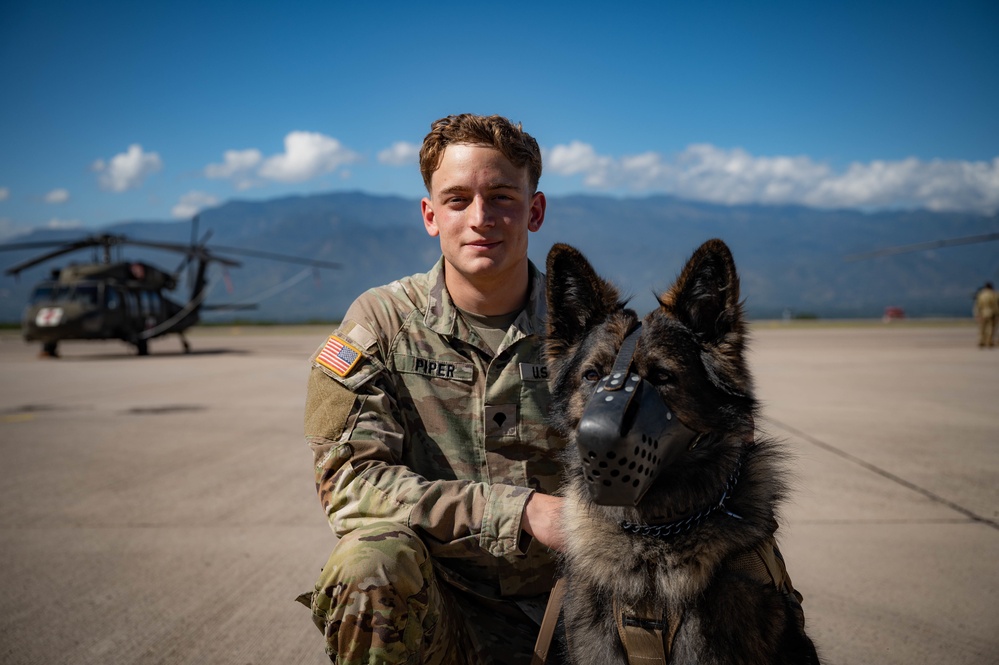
690	351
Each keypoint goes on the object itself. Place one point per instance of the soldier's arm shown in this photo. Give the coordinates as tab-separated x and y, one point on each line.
541	520
359	477
357	442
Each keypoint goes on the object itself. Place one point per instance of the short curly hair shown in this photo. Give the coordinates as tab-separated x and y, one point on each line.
516	145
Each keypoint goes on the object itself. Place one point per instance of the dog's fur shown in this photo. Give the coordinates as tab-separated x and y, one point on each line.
692	349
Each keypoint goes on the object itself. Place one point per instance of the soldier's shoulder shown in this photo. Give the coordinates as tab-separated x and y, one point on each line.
399	297
383	310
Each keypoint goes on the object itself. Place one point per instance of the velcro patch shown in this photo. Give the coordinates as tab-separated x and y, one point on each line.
501	421
435	368
339	356
532	372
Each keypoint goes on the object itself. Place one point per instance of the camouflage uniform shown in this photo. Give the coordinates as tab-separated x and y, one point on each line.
987	312
426	451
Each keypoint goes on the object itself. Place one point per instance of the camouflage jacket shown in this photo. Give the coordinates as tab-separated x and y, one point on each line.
986	303
412	419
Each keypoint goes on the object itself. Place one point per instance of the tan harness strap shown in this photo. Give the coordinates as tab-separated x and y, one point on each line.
544	641
646	632
764	563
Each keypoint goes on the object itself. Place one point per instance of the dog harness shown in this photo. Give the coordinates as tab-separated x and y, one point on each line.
647	631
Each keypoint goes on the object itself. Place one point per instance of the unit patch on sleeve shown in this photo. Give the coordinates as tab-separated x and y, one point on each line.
338	356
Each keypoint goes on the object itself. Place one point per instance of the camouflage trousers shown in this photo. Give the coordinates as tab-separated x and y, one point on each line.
987	330
378	601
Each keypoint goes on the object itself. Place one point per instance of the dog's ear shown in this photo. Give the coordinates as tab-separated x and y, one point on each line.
705	296
578	299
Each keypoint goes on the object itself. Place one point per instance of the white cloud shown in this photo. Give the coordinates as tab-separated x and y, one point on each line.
400	153
579	157
4	193
127	170
192	203
306	155
238	166
708	173
57	196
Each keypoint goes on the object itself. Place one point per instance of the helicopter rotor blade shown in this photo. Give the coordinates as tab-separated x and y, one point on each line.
193	249
65	249
317	263
935	244
199	251
38	244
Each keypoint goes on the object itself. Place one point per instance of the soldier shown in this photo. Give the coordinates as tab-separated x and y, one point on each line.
426	416
986	313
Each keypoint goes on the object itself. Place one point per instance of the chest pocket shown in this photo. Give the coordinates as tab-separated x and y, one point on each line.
543	467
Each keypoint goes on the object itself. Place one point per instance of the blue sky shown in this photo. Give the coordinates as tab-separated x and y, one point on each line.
122	110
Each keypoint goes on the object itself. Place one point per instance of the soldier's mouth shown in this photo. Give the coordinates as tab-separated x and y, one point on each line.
482	246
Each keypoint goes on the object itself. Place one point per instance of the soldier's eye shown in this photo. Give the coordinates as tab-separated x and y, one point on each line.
591	376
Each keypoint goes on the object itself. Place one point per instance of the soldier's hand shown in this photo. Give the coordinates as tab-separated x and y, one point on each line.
541	519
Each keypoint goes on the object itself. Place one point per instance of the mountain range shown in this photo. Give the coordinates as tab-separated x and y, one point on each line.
791	259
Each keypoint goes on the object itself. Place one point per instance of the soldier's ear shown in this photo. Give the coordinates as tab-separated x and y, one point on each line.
705	296
429	218
538	206
577	298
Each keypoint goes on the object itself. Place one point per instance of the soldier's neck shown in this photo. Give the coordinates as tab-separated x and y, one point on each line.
488	297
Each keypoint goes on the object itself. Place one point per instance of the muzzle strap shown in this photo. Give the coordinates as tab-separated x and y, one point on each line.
622	364
626	434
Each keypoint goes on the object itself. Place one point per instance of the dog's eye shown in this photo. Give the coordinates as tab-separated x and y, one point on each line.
660	377
591	376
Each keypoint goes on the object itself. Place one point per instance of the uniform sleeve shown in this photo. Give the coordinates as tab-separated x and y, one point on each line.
358	442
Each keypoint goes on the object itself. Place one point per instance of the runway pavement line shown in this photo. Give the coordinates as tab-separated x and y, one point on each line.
883	473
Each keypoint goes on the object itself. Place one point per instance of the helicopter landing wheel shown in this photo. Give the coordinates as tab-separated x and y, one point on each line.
187	347
50	350
142	347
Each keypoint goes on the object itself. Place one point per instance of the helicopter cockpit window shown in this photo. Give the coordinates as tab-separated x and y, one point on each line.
79	293
43	293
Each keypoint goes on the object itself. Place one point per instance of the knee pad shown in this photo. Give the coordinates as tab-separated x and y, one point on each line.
374	595
382	554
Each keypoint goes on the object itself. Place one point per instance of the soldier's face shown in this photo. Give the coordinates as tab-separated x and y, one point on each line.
482	209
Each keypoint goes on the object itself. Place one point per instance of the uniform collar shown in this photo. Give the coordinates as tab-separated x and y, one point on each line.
442	314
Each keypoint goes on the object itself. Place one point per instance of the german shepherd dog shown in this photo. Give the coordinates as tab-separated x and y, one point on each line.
688	571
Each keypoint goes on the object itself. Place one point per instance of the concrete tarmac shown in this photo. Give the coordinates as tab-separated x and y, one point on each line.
161	509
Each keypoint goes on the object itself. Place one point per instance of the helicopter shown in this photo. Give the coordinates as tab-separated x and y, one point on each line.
124	300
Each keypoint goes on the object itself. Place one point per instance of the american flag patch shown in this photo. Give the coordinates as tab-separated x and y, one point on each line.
338	356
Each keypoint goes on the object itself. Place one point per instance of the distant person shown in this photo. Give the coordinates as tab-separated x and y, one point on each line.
987	314
426	416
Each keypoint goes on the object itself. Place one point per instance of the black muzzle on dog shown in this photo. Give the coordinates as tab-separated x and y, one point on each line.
627	434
